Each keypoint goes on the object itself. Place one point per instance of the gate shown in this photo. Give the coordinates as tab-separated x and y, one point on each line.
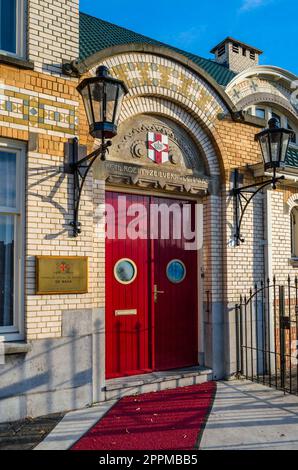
267	335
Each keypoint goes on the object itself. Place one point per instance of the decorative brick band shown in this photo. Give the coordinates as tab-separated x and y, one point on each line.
268	98
292	201
164	54
28	110
154	75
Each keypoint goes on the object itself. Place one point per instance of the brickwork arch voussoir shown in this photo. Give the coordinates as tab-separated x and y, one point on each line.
155	105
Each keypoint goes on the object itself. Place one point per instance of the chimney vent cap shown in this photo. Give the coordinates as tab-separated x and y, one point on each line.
229	39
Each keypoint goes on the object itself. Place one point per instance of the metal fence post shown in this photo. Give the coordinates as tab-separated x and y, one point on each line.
282	338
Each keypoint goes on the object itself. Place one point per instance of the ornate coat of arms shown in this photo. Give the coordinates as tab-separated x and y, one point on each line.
158	147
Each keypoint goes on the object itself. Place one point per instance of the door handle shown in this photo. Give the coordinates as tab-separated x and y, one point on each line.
156	292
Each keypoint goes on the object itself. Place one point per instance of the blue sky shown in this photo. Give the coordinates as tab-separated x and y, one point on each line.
198	25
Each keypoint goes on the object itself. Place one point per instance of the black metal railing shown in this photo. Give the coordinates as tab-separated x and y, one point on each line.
267	335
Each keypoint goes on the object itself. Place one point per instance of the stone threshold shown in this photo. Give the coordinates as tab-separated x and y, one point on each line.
156	381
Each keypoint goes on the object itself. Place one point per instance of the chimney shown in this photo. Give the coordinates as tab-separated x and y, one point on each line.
236	55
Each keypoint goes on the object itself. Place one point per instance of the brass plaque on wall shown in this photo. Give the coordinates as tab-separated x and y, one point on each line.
61	275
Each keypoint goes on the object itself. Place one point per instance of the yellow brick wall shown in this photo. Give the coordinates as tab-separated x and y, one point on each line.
49	201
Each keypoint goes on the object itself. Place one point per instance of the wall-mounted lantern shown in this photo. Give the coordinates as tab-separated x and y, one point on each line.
274	142
102	97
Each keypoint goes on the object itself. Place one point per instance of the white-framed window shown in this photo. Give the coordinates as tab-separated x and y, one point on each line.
260	112
294	232
12	28
12	211
266	112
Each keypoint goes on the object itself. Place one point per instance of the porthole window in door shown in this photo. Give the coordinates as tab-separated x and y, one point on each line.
176	271
125	271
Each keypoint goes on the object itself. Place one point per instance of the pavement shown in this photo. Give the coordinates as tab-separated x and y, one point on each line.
73	426
25	434
244	416
250	416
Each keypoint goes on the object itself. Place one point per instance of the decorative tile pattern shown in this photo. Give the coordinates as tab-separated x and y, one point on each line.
154	74
38	111
249	86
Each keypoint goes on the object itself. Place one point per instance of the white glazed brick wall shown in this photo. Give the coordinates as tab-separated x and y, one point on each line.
49	211
213	248
53	33
245	263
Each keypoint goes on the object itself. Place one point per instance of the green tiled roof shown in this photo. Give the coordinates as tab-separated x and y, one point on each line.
97	34
292	157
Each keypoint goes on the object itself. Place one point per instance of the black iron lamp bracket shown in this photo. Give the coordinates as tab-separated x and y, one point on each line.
243	197
80	168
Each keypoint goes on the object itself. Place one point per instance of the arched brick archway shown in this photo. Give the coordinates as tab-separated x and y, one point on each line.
263	84
160	85
158	106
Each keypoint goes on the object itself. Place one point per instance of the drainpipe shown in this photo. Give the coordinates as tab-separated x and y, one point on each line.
268	236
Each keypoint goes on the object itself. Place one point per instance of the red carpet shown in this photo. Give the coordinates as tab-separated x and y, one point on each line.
167	420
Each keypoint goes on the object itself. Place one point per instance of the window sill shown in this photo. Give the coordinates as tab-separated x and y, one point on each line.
17	348
17	62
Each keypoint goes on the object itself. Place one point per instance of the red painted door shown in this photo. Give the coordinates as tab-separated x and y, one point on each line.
127	291
176	300
147	330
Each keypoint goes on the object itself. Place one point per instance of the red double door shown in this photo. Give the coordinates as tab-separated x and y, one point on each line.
151	286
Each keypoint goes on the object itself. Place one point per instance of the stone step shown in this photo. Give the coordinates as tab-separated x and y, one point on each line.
156	381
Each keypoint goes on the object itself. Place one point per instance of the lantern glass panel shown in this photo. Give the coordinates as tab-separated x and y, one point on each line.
285	143
264	142
275	142
97	93
87	103
119	104
111	100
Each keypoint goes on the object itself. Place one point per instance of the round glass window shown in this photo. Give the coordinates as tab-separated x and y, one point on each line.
176	271
125	271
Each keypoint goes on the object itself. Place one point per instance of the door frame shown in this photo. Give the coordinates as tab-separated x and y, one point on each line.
200	280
